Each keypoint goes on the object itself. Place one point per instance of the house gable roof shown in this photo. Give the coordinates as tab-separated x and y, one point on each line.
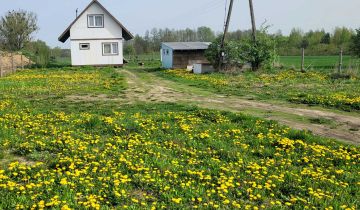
187	45
66	34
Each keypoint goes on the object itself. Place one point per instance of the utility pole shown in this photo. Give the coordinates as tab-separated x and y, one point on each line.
221	56
252	20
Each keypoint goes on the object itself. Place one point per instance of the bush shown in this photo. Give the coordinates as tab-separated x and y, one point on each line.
237	53
259	54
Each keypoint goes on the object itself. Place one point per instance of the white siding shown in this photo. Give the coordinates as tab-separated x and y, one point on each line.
167	59
95	56
80	33
80	29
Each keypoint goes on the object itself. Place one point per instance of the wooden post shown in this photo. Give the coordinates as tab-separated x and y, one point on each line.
252	20
1	69
22	61
303	60
221	56
341	60
12	63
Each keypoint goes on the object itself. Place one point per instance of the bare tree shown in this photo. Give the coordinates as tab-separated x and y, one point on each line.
16	28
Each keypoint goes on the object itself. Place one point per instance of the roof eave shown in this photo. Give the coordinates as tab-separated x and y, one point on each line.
64	36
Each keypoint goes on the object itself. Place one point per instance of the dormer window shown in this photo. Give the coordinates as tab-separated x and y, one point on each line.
95	21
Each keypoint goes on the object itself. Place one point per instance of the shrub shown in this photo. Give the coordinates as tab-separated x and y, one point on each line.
237	53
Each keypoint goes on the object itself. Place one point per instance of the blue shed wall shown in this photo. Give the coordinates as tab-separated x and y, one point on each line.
167	59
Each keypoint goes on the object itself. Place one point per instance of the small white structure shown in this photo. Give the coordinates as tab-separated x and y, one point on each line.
203	68
96	37
182	54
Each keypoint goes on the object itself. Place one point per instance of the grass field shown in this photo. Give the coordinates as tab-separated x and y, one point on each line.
319	62
311	62
312	87
327	63
59	152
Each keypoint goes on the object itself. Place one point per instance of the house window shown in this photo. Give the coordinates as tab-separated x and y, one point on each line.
95	21
110	48
84	46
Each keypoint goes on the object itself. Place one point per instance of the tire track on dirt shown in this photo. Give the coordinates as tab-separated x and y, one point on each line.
157	89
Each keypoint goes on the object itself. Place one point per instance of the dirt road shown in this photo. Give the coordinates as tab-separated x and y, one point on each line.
145	87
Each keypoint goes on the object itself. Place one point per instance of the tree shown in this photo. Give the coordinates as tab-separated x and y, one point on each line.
295	38
129	50
342	36
355	44
260	53
304	44
205	34
56	52
16	28
239	52
326	39
39	52
232	55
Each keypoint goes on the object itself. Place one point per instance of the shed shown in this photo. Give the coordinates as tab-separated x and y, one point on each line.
183	54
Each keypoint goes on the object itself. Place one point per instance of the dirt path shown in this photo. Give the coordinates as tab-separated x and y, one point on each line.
144	87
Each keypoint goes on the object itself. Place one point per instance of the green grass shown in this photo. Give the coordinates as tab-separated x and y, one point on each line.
311	62
312	87
60	153
319	62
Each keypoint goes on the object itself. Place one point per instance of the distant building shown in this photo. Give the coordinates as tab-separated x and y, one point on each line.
96	37
181	55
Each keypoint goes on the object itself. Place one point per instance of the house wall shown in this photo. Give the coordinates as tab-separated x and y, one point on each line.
80	29
80	33
94	56
166	59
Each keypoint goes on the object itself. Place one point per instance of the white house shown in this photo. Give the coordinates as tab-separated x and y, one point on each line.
96	37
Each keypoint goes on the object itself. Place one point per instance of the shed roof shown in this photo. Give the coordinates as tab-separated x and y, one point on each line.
66	34
187	45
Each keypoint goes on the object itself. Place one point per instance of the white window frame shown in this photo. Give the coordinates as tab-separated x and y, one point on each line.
84	48
112	48
93	17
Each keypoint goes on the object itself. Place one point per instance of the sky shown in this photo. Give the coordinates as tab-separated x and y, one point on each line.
137	16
